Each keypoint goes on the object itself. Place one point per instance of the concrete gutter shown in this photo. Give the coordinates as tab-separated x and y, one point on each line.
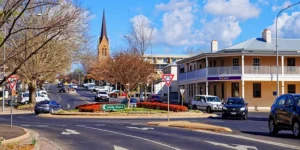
17	139
191	125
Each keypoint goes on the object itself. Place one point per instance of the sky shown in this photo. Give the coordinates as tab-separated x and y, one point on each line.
180	25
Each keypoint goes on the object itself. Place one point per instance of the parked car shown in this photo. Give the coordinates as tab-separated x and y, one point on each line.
208	103
102	96
133	102
85	85
23	98
154	98
43	92
46	107
74	86
91	87
235	107
285	114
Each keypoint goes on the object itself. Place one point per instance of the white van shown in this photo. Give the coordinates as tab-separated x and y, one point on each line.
23	98
209	103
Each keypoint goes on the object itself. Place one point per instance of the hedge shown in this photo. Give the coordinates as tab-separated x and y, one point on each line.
162	106
92	107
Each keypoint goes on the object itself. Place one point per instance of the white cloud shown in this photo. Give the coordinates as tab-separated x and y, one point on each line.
284	5
179	23
288	25
241	9
263	2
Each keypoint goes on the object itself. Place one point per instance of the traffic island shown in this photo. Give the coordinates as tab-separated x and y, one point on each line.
191	125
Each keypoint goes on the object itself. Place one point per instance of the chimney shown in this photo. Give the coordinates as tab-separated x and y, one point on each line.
266	35
214	46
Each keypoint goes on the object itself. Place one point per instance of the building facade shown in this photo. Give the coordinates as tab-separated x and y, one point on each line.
247	69
103	41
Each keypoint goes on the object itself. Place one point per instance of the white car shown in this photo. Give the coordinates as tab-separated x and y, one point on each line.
85	85
74	86
208	103
102	96
43	93
91	87
23	98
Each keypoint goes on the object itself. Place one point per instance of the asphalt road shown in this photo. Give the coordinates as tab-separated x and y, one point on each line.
134	134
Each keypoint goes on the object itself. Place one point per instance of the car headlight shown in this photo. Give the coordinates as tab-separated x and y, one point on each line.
243	108
224	108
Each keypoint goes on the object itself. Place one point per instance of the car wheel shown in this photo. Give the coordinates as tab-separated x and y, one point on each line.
194	107
245	117
296	129
26	102
208	110
273	127
224	116
52	110
36	112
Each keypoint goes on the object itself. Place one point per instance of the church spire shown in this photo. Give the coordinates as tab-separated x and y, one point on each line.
103	28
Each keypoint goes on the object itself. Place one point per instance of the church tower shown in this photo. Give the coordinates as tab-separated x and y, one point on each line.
103	44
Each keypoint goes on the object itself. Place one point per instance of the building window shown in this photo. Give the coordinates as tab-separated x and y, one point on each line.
200	90
235	63
200	66
256	90
181	70
215	64
165	60
291	62
291	88
210	64
191	68
173	59
256	63
215	90
222	63
223	92
235	89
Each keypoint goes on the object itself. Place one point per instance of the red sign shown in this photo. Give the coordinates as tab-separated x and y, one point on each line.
12	80
168	78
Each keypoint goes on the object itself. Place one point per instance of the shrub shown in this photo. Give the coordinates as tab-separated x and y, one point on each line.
99	103
161	106
90	108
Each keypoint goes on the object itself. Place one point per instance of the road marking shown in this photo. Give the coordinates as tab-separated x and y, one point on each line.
69	132
119	148
25	125
252	139
134	124
148	140
143	128
42	126
237	147
59	98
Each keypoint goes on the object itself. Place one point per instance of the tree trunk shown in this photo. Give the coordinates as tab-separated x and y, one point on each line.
32	91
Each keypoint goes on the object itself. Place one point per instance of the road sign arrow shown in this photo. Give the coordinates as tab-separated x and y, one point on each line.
119	148
142	128
235	146
69	132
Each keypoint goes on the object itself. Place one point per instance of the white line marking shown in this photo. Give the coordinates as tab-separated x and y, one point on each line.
42	125
148	140
143	128
69	131
252	139
237	146
25	125
59	98
134	124
99	124
119	148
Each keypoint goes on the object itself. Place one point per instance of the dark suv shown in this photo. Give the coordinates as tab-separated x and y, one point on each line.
284	114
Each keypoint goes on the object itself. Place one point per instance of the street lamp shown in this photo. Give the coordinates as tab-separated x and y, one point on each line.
277	70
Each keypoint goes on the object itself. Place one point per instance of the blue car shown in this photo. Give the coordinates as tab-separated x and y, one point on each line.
46	107
133	101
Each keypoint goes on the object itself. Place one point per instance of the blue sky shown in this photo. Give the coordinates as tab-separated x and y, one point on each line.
184	24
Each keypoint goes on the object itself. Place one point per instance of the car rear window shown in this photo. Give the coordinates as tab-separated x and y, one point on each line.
102	93
213	99
44	102
25	94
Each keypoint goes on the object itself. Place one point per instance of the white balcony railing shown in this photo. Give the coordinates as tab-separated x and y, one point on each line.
216	71
196	74
292	70
262	70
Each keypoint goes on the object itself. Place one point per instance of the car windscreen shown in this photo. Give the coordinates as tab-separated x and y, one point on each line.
213	99
297	100
25	94
155	96
102	93
44	102
235	101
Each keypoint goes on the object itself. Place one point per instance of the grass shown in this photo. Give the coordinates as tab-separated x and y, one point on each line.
139	111
67	111
17	146
25	107
195	111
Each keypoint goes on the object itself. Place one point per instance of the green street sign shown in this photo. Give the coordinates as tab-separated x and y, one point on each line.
113	106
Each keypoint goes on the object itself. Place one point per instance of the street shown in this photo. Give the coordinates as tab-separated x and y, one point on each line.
134	134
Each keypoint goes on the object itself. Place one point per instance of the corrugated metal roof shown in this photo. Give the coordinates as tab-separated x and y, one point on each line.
167	55
258	44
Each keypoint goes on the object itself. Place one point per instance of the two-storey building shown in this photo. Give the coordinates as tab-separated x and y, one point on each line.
247	69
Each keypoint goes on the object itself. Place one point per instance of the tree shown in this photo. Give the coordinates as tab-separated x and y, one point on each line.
49	52
127	68
140	35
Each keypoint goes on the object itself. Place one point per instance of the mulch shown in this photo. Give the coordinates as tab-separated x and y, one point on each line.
8	133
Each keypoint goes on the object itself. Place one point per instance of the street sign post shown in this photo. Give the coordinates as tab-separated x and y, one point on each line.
113	107
182	92
168	80
12	80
